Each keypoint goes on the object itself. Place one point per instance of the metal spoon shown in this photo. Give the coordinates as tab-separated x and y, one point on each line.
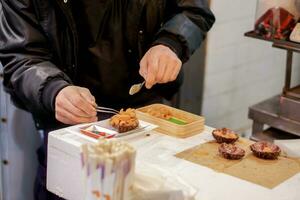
136	88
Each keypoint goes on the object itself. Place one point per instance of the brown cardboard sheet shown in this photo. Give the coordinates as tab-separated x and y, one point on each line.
267	173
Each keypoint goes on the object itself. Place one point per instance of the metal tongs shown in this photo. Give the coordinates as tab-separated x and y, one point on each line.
100	109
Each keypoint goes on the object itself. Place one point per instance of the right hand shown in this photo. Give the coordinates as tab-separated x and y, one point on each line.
75	105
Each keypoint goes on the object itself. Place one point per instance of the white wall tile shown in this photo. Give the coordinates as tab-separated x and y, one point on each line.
225	9
240	71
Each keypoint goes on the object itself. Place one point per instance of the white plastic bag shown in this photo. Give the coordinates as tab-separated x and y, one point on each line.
152	182
290	147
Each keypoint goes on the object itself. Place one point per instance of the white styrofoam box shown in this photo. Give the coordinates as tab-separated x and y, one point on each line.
64	170
65	176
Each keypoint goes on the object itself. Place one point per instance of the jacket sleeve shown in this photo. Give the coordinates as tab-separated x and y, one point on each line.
29	75
186	29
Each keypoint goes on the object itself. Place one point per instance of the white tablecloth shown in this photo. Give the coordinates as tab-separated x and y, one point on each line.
159	150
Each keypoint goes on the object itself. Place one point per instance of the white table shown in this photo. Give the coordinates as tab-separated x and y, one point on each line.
159	150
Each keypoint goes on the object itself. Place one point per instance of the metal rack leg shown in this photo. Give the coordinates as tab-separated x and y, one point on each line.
257	127
288	72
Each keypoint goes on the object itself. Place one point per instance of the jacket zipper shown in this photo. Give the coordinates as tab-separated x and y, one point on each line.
140	33
62	5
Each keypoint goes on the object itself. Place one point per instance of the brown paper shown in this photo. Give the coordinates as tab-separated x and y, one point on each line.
267	173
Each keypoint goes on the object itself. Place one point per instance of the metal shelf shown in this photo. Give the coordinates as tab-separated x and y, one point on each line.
282	44
252	34
268	112
272	134
280	112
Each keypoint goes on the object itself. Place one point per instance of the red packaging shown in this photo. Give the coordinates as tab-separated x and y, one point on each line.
276	18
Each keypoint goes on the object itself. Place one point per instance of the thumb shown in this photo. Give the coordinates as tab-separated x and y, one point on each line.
151	74
143	68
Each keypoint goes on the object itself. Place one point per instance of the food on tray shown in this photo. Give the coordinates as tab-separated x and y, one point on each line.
96	132
165	113
265	150
231	151
225	135
162	113
125	121
177	121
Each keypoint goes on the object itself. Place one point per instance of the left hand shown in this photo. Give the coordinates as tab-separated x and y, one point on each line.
159	65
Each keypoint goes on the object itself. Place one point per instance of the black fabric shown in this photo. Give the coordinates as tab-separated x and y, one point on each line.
40	190
172	42
40	43
46	45
51	90
106	65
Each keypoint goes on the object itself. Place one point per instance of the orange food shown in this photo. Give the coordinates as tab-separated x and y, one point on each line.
225	135
125	121
162	113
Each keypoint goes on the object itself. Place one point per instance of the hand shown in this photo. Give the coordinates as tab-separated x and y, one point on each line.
159	65
75	105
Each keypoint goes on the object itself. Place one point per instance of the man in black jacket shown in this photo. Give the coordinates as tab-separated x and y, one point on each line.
63	57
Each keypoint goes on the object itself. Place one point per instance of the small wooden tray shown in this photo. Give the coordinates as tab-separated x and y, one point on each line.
194	123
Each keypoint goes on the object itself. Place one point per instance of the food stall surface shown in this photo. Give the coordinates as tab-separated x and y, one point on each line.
158	150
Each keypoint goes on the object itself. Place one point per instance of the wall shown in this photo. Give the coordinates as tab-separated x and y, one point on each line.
191	92
19	141
1	187
239	71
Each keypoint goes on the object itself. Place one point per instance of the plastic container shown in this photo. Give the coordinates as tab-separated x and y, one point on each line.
275	19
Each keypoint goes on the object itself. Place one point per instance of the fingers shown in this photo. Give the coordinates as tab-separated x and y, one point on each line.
75	105
149	68
69	118
143	67
161	70
159	65
176	71
69	107
86	94
152	72
172	71
81	103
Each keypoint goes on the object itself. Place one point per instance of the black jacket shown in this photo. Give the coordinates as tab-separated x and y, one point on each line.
39	42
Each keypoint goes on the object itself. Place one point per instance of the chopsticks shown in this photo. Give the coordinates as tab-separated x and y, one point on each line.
109	169
106	110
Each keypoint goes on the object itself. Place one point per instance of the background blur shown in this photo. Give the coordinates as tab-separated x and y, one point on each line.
225	77
239	71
